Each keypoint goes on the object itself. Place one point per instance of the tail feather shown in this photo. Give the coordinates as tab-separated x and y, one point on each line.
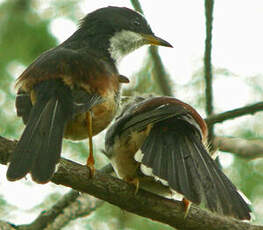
23	105
22	157
149	145
39	147
180	177
160	154
202	173
163	165
230	199
177	155
183	175
49	149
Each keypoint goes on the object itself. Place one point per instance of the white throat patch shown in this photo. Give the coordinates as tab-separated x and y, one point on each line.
124	42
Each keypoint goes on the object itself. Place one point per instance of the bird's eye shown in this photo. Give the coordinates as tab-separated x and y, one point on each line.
136	22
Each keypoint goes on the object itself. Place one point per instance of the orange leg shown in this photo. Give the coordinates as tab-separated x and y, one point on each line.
135	182
187	205
90	161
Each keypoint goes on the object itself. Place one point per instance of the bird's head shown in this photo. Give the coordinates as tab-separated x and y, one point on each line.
120	30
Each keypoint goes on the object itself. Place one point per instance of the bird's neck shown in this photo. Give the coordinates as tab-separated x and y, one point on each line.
123	43
113	47
91	43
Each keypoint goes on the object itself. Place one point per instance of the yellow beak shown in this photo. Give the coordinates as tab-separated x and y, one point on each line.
153	40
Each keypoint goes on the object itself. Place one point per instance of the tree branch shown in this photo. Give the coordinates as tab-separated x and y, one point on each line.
248	149
145	204
209	6
83	206
231	114
6	226
48	217
137	5
158	71
70	207
6	148
76	206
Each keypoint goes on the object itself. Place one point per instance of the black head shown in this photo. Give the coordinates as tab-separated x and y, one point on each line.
116	19
123	29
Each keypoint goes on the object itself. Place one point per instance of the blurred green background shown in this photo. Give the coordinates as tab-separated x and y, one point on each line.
26	31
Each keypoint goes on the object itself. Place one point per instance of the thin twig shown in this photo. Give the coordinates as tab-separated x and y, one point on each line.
137	5
159	74
209	5
231	114
82	207
71	206
6	226
47	217
248	149
158	71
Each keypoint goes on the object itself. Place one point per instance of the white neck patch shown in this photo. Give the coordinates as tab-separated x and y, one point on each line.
124	42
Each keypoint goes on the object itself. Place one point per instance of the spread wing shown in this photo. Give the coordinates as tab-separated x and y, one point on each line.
137	118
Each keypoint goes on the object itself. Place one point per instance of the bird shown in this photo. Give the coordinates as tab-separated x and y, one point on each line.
73	90
161	142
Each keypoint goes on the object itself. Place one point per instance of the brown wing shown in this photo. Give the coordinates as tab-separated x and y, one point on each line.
75	68
137	116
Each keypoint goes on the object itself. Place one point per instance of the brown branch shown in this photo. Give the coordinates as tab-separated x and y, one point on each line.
248	149
6	148
77	206
48	217
159	74
71	206
250	109
146	204
6	226
83	206
59	212
119	193
209	6
158	71
137	5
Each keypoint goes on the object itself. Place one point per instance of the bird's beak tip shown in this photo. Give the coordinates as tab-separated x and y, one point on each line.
154	40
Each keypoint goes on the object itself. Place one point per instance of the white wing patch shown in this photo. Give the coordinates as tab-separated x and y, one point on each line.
138	156
176	195
147	170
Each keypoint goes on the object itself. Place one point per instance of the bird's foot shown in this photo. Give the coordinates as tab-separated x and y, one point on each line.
135	181
187	205
90	164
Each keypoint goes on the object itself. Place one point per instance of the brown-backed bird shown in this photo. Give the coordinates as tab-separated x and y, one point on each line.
73	89
162	140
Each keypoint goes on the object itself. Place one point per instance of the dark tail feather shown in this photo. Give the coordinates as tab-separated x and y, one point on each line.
39	148
163	153
52	126
175	153
23	105
229	200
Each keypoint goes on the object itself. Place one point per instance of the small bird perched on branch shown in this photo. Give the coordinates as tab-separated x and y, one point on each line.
73	89
162	139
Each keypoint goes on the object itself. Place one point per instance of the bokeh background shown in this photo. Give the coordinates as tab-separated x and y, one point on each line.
29	27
